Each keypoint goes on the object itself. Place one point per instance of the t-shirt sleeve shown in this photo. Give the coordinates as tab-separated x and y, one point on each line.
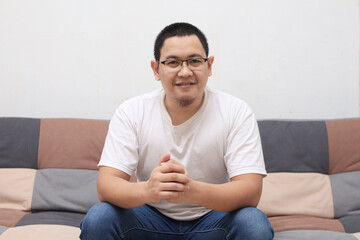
244	151
121	145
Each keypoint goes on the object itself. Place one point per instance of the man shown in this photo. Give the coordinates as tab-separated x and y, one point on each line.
196	152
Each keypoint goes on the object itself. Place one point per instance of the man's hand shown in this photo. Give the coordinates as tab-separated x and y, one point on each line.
167	181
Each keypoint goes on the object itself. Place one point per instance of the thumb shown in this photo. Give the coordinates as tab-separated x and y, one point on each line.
164	159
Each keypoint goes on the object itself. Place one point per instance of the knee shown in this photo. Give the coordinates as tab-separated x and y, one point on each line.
99	219
253	224
99	214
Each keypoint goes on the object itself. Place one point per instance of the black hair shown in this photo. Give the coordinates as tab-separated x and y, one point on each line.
179	29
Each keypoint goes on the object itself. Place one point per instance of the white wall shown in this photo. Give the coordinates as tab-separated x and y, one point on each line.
82	58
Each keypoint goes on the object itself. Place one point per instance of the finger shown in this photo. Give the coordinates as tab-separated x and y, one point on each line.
175	162
172	166
172	187
164	159
175	177
170	195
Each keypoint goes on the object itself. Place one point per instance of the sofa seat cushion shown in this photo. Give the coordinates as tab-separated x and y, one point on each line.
41	232
10	217
301	222
314	234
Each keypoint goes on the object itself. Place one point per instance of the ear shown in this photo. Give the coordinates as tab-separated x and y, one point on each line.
155	68
210	62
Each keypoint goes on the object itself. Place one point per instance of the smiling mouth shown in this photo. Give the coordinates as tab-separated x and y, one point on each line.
184	84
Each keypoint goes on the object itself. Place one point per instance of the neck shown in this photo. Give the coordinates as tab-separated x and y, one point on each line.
181	111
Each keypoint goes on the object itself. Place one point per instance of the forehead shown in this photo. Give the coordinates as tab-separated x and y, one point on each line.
182	47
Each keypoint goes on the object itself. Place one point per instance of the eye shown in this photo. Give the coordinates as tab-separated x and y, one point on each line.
172	63
195	61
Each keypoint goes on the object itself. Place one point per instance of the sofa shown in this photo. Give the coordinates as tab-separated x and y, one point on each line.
48	172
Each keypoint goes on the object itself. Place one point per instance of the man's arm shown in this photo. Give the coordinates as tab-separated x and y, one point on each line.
114	187
166	181
241	191
170	181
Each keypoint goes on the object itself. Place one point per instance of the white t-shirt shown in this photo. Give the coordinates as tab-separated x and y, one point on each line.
219	142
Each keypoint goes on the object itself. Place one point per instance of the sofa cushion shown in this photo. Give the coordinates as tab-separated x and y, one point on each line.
344	145
346	193
50	217
313	234
2	229
19	141
71	143
71	190
297	194
41	232
16	188
295	146
301	222
351	223
10	217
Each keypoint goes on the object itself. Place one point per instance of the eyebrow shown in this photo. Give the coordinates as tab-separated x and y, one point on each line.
191	56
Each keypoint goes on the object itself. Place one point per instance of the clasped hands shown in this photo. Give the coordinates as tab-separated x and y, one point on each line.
169	181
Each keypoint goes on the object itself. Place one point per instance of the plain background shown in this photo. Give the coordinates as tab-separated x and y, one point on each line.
288	59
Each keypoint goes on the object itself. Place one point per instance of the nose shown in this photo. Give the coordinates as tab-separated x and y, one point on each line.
185	70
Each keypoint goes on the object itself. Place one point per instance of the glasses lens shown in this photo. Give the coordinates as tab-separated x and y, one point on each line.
172	64
196	62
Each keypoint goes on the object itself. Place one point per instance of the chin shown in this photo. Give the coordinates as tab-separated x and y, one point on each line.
185	102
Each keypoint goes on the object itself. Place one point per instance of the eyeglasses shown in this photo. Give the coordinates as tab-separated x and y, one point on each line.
194	64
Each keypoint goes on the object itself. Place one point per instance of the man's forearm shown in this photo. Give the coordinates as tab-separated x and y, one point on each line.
242	191
120	192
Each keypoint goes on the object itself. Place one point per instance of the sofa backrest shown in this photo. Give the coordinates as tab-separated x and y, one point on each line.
50	164
313	169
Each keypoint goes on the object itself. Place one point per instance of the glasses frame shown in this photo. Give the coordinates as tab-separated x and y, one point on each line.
182	61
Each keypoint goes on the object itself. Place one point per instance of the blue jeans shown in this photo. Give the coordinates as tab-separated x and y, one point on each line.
106	221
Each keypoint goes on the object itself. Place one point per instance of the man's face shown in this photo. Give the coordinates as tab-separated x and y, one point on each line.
183	86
